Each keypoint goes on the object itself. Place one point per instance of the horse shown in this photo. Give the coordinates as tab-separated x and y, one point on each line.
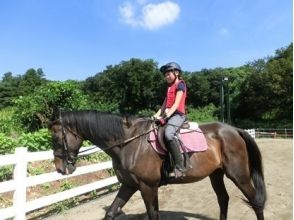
231	152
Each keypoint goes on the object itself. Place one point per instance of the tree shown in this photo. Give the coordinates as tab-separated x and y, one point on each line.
134	85
31	80
34	110
9	89
13	86
266	94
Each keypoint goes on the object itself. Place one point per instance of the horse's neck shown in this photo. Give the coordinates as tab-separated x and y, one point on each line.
118	147
133	144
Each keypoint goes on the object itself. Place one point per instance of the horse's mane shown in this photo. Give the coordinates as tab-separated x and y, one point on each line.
102	125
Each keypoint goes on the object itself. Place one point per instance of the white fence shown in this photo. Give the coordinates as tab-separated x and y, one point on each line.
21	181
251	132
270	133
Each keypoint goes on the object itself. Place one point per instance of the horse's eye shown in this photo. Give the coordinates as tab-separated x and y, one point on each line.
55	129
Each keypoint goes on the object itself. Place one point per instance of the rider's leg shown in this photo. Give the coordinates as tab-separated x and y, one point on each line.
173	125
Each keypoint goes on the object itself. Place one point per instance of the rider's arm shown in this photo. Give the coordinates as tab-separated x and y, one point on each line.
160	111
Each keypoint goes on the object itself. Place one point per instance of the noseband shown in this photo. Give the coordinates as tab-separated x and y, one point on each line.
69	159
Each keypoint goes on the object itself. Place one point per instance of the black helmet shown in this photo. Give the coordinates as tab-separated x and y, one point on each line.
170	66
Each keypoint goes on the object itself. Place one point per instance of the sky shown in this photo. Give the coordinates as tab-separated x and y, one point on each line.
76	39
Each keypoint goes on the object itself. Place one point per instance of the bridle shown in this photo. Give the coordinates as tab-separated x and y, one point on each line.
66	156
70	160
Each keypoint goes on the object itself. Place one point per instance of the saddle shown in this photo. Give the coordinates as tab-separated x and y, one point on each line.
168	164
191	139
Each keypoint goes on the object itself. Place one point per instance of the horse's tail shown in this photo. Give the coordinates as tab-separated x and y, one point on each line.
256	169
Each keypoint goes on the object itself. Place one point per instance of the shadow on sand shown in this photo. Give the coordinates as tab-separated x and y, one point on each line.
165	215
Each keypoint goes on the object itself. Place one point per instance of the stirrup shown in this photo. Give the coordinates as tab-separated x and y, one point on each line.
177	173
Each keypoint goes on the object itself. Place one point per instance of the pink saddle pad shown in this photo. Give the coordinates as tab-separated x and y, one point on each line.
193	140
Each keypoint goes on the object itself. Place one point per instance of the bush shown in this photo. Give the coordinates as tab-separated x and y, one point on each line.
205	114
105	107
35	110
6	173
36	141
145	113
248	124
7	144
9	124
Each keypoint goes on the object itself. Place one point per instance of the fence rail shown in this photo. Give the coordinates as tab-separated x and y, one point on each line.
273	133
21	181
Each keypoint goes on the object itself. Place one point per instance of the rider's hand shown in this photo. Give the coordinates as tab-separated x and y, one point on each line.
160	121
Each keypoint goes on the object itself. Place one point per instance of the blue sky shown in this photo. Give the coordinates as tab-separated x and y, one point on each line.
75	39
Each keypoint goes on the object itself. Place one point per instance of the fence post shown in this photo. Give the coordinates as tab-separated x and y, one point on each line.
19	175
253	133
285	132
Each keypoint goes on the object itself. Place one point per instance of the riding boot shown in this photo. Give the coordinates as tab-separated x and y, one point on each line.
179	169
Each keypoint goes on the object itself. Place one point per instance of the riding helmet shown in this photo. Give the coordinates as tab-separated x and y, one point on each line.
170	66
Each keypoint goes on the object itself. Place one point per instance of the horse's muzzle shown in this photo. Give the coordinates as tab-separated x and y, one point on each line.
70	168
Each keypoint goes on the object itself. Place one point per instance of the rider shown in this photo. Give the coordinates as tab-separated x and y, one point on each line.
173	112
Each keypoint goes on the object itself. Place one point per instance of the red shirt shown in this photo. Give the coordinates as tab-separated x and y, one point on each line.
171	96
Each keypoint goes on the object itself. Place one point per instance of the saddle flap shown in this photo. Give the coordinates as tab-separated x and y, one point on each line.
160	137
192	139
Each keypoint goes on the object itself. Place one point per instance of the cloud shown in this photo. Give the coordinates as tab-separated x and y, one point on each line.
150	16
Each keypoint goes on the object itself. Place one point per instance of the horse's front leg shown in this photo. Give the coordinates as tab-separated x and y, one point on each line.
123	195
150	197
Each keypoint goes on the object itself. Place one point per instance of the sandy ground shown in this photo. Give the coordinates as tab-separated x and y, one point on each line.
198	201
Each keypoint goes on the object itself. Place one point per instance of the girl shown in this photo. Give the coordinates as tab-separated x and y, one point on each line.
173	111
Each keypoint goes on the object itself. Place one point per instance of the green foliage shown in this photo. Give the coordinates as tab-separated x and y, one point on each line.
66	185
86	143
105	107
35	109
65	205
134	85
111	172
267	92
36	141
248	124
35	170
261	90
9	124
205	114
7	144
97	157
145	113
31	81
13	86
9	89
5	173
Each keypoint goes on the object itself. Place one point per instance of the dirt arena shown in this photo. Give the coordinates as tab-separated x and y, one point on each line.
198	201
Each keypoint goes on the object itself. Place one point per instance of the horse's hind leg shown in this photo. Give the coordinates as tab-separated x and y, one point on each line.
245	185
240	175
124	194
217	182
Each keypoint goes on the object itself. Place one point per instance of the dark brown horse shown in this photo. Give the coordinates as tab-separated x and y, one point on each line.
231	151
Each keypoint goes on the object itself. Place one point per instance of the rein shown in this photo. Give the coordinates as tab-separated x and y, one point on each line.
189	129
71	160
121	144
65	144
129	140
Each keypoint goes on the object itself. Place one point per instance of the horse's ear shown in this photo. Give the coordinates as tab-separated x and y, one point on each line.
55	113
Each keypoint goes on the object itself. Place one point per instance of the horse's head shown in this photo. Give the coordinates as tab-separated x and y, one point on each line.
66	144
